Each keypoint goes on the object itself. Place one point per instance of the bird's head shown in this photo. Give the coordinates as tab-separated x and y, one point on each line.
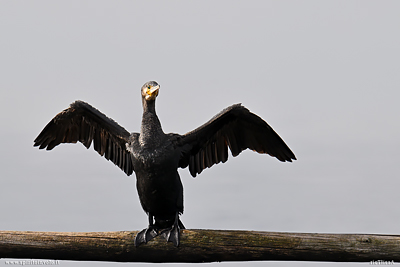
150	90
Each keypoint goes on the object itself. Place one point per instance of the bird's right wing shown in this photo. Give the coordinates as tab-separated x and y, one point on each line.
82	122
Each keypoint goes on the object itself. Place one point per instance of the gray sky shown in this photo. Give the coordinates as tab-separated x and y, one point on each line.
323	74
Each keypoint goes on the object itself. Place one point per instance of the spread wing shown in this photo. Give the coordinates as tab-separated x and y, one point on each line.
82	122
235	127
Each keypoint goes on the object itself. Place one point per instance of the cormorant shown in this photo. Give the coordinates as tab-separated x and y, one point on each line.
155	156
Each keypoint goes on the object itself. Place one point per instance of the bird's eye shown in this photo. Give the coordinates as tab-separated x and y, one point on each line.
148	87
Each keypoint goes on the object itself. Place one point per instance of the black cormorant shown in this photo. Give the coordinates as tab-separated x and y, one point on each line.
155	156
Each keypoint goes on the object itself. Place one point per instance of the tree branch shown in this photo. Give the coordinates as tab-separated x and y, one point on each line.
201	246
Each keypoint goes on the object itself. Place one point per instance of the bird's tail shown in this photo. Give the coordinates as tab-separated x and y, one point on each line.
181	224
163	223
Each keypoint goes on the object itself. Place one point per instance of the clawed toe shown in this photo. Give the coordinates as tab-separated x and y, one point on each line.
145	235
172	235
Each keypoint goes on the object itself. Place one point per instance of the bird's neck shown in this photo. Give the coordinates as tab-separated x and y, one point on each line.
151	133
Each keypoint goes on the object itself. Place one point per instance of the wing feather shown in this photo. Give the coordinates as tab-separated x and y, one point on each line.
235	127
82	122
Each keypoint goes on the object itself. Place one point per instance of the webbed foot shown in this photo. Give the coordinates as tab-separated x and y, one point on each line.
145	235
172	234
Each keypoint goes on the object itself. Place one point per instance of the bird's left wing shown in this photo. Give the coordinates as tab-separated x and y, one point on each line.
82	122
235	127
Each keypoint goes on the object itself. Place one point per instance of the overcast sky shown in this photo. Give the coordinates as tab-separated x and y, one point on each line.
323	74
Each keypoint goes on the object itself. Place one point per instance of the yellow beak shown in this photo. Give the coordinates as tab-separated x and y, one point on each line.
152	93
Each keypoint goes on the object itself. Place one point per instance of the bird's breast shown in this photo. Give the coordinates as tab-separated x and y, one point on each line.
152	159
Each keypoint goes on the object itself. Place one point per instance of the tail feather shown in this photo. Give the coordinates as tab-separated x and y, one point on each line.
163	223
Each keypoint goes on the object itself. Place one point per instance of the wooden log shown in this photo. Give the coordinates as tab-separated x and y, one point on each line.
201	246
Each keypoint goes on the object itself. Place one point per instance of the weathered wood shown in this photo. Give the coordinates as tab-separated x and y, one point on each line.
201	246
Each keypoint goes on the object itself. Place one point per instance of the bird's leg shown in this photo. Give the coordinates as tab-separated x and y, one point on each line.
172	234
147	234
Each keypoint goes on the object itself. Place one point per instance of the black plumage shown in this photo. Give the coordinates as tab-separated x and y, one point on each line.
155	156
